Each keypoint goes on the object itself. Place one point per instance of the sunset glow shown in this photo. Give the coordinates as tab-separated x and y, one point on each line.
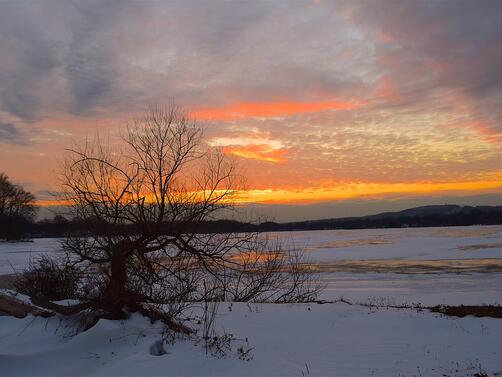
314	101
347	191
371	190
257	152
275	109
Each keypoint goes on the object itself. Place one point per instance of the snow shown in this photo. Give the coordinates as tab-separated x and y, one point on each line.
287	340
426	289
15	256
299	339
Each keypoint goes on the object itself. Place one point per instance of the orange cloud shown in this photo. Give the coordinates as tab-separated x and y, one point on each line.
466	106
360	190
261	152
353	191
271	109
490	134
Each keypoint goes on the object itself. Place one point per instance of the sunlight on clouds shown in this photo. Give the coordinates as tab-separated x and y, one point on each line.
349	191
355	190
272	109
229	141
261	152
260	149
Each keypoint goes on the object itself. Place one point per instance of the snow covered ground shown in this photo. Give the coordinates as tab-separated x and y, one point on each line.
427	289
302	340
286	340
15	256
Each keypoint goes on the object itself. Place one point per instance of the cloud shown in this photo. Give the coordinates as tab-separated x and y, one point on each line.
440	55
352	190
11	134
252	147
335	91
92	57
271	109
260	152
84	57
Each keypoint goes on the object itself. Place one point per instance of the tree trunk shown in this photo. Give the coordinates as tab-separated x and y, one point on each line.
116	296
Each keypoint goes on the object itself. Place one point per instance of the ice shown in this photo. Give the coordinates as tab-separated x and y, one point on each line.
15	256
300	339
389	251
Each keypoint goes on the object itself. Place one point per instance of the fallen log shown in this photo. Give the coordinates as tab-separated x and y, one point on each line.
16	308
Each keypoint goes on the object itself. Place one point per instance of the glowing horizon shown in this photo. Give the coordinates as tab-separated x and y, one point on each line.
346	191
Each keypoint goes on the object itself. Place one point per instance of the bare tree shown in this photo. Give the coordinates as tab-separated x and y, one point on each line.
146	200
17	208
144	203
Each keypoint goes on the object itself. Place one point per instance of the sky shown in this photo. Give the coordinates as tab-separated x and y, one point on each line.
322	104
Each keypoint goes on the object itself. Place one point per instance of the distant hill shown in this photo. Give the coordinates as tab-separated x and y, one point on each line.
426	216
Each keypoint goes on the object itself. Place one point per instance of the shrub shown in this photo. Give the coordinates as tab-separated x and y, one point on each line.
50	279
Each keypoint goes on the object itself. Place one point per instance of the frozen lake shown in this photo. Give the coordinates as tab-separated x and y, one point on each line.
406	243
429	266
457	265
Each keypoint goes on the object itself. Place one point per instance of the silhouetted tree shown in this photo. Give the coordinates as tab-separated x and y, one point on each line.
17	209
143	205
